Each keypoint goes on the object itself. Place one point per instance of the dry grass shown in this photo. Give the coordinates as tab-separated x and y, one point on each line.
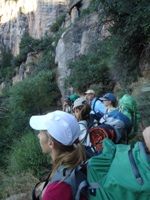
16	187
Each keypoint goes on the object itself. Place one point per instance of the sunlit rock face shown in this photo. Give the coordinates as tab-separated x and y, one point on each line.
32	16
76	41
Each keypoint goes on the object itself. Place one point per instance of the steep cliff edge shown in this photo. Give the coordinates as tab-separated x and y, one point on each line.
34	17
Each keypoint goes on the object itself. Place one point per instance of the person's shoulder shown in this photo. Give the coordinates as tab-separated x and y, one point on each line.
58	190
83	124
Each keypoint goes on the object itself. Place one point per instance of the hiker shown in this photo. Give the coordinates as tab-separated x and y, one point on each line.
73	97
58	136
114	118
121	171
81	110
97	107
110	103
68	102
67	105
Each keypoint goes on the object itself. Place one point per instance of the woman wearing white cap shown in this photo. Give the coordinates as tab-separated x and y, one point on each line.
81	110
59	132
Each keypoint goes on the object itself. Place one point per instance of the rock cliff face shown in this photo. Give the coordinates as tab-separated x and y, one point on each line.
74	42
34	17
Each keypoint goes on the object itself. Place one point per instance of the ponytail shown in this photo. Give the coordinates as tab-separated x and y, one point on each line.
68	156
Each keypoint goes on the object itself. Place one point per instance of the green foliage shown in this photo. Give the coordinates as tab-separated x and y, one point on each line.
26	156
143	100
45	62
28	44
130	34
56	26
34	95
6	70
90	69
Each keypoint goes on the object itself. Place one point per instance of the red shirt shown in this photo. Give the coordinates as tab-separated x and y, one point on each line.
58	190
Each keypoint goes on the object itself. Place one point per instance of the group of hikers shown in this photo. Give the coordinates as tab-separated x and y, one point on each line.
90	154
121	118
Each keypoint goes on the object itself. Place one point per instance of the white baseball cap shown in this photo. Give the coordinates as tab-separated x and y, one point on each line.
90	91
79	102
60	125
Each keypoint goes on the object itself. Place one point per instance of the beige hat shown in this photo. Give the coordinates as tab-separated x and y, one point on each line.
146	135
90	91
79	102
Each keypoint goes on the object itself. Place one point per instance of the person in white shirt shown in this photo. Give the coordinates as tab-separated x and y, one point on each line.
81	110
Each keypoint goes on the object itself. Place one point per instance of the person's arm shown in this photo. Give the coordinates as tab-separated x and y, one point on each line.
58	190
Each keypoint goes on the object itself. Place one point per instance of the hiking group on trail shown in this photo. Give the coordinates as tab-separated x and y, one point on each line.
90	152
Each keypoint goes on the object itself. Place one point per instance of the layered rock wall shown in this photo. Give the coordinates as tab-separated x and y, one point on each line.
34	17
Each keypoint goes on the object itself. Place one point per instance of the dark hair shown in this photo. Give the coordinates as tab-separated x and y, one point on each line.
114	103
84	112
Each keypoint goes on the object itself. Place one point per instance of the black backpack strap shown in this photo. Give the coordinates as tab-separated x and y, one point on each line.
93	107
79	177
74	177
40	187
135	169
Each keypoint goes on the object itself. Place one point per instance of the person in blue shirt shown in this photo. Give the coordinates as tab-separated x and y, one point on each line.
97	106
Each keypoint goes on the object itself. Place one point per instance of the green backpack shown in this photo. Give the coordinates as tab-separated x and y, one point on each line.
128	106
119	172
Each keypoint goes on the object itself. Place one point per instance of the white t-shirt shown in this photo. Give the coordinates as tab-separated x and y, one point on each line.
84	137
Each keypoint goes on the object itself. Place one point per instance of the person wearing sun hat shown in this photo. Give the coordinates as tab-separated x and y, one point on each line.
114	118
110	101
58	135
97	106
81	110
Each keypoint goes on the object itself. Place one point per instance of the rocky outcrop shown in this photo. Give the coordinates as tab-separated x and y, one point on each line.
34	17
75	41
27	67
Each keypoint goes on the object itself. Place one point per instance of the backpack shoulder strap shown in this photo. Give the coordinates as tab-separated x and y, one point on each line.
74	177
135	169
93	107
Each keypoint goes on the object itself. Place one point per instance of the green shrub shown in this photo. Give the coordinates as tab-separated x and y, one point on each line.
35	95
29	44
130	34
26	156
56	25
90	69
45	62
6	69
